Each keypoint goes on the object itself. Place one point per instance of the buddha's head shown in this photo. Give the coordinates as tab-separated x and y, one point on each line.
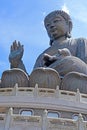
58	24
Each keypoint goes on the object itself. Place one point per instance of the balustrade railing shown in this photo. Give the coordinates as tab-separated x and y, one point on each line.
44	92
43	122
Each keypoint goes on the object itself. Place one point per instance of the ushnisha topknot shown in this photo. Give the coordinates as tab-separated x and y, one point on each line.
59	12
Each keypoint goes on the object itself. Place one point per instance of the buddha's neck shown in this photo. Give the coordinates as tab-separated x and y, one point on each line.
59	40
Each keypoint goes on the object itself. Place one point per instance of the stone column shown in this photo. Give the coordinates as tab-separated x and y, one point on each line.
44	120
78	96
15	90
57	92
35	91
80	123
8	119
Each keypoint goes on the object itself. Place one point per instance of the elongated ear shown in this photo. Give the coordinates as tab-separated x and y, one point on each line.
68	34
70	26
50	43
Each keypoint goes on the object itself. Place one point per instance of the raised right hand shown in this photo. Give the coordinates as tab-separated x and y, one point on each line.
16	53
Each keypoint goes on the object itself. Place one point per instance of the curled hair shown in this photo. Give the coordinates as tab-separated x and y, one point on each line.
56	13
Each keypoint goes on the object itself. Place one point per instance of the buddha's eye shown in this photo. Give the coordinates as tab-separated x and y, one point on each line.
48	24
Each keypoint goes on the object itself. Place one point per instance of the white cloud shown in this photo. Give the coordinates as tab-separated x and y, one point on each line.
44	13
64	8
78	10
42	22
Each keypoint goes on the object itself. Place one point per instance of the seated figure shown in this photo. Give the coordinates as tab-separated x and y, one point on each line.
58	25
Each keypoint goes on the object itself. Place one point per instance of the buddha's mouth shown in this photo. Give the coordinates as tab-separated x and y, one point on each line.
53	30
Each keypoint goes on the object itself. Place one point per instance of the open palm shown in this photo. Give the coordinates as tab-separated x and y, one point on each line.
16	53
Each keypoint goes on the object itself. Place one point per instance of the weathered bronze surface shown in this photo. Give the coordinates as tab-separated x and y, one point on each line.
66	56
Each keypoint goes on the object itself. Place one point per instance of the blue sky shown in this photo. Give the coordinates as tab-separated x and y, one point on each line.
22	20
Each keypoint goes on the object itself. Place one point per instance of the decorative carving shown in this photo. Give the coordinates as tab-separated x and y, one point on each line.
44	77
11	77
74	80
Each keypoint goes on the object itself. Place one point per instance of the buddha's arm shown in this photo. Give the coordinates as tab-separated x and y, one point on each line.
82	49
39	62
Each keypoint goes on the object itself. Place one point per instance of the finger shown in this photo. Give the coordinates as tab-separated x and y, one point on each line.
59	51
20	46
11	48
45	56
23	47
15	45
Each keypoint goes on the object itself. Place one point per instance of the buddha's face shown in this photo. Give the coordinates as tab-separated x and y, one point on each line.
56	26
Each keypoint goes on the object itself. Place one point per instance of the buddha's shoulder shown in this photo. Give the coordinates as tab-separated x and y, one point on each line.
80	39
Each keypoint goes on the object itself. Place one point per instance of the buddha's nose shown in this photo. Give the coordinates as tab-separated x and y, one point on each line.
51	27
